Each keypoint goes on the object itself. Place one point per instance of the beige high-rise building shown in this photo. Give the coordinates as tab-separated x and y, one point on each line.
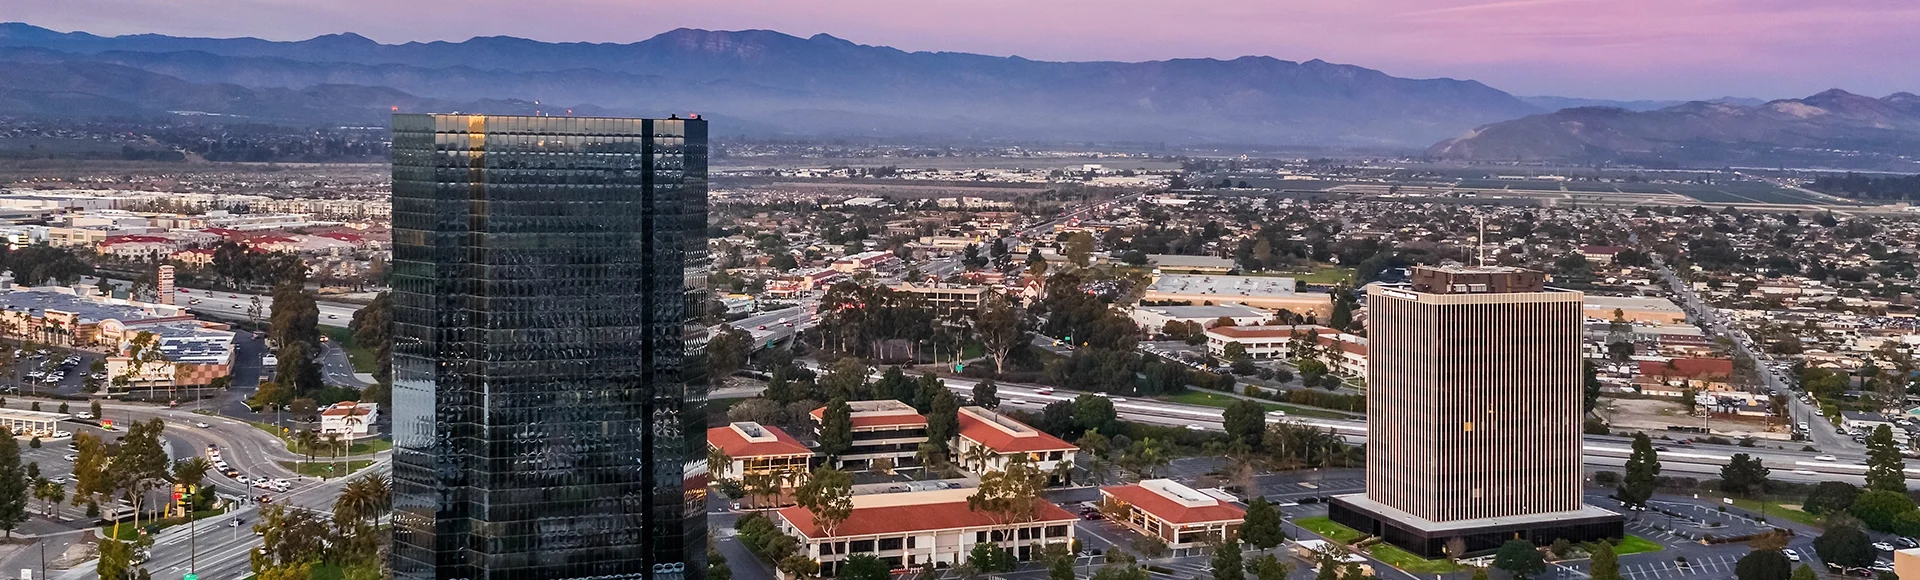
1474	391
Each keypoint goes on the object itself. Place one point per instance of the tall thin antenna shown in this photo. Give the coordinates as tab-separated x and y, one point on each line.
1480	243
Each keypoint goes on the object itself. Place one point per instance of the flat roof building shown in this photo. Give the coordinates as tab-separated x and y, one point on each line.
1172	263
1645	309
1154	318
1258	291
1474	415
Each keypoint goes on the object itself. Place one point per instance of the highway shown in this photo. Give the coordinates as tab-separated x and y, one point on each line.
1600	450
232	304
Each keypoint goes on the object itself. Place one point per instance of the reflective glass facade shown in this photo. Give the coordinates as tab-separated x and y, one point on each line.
549	389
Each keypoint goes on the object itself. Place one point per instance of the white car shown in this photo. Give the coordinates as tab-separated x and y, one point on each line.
72	457
1791	555
202	425
1805	472
1826	458
1883	546
244	480
62	434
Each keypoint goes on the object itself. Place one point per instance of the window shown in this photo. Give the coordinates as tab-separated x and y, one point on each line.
889	544
860	546
1057	531
1026	533
911	541
979	537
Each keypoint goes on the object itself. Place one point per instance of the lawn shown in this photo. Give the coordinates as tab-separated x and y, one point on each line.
363	358
1329	530
1394	556
320	468
1773	509
1207	399
361	447
130	532
1636	545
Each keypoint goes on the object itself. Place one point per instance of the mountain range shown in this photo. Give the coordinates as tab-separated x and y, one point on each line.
771	83
1832	128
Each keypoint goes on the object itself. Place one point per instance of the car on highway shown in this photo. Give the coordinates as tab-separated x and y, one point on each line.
235	305
243	480
202	425
1826	458
1043	391
333	316
1805	472
72	457
233	295
1016	401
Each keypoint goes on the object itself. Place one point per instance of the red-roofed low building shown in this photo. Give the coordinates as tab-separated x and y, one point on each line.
1695	373
137	247
1343	353
913	529
755	449
197	257
349	418
1000	439
1181	516
881	429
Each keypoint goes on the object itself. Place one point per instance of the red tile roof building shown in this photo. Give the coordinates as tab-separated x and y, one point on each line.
1180	515
1004	438
753	448
888	428
908	530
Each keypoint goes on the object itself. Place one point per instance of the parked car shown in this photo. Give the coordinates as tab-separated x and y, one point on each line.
1883	546
1791	555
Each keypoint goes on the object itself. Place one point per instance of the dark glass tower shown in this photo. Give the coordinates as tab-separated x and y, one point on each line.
549	391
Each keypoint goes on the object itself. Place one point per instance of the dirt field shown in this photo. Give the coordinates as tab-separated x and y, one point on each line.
1654	416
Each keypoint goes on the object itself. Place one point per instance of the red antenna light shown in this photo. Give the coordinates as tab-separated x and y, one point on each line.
396	108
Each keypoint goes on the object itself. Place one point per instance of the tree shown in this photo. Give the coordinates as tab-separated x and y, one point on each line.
1743	475
1001	328
1009	494
364	499
1845	545
1606	563
294	328
1228	561
90	483
1519	559
863	567
727	351
1329	569
14	495
847	379
986	394
1882	510
51	494
1234	352
370	331
1262	525
943	419
1643	465
1091	412
828	494
1245	420
836	428
1060	567
1342	316
1886	470
141	464
1805	572
1080	249
1268	567
1763	565
1830	497
189	473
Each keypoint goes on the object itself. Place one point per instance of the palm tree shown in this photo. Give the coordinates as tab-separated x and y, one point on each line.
307	440
189	473
718	463
977	457
364	498
334	444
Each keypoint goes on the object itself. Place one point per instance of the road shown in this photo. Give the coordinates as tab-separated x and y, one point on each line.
231	304
1716	324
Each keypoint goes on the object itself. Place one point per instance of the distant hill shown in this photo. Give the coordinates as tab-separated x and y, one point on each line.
1558	103
1834	129
774	83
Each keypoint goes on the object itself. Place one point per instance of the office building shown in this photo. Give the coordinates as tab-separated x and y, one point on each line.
1474	414
886	429
549	389
1003	440
1181	516
915	529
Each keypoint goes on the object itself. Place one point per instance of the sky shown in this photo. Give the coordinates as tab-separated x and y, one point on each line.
1612	49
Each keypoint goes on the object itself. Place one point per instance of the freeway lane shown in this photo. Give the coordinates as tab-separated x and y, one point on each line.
1600	449
231	304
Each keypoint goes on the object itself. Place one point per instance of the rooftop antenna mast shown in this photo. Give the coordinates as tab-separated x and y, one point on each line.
1480	243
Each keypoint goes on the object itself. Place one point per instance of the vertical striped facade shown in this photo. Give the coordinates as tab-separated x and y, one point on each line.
1474	402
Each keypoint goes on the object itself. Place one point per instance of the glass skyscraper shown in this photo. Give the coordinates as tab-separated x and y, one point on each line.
549	388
